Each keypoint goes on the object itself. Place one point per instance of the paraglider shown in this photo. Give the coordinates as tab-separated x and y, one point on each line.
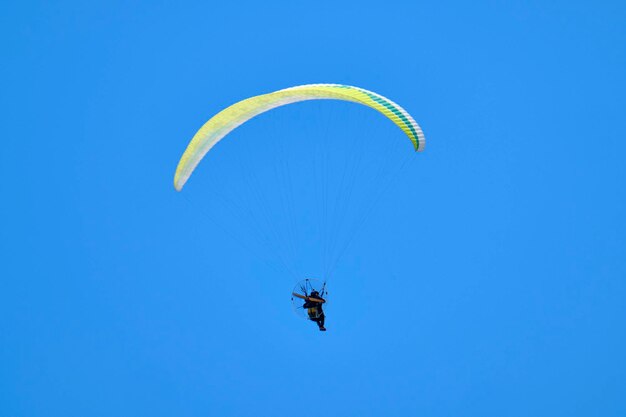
307	299
313	300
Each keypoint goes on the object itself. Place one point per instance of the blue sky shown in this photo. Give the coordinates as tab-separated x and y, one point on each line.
489	281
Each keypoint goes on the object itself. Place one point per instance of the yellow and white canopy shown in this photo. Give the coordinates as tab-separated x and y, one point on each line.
228	119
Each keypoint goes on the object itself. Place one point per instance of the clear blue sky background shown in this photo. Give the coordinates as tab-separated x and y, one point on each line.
493	285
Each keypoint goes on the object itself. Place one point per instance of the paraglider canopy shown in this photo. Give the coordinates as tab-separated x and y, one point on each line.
228	119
